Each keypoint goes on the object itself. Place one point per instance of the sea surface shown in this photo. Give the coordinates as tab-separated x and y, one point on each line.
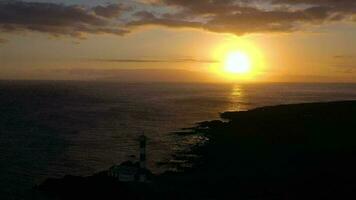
54	128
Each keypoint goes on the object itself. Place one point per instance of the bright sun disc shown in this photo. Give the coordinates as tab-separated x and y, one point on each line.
237	62
238	59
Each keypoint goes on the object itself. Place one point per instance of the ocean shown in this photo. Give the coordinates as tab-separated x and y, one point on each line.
54	128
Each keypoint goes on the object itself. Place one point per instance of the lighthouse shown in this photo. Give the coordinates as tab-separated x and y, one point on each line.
142	176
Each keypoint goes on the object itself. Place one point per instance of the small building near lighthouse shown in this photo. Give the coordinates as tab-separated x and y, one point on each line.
132	171
125	172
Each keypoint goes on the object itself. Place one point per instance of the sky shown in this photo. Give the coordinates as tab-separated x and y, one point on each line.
178	40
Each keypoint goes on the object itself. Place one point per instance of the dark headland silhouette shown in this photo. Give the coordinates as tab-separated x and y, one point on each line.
301	151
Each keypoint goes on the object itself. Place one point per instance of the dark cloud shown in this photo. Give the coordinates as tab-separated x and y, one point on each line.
337	8
226	16
56	19
110	11
243	16
330	3
147	18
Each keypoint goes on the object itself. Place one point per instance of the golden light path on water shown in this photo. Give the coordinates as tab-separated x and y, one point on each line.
238	99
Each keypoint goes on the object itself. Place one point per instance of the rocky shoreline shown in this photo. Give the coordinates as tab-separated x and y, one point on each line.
301	151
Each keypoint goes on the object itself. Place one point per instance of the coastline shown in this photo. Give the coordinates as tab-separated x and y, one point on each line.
298	151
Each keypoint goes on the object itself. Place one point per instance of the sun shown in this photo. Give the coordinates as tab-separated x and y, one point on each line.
237	63
237	60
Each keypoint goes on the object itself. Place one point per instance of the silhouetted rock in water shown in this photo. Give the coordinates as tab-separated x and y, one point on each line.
302	151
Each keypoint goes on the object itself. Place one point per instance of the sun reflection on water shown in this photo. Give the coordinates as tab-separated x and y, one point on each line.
238	99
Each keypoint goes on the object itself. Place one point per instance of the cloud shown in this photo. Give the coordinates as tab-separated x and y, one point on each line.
344	64
178	60
223	16
111	10
147	18
57	19
336	9
345	68
132	75
343	56
2	41
242	16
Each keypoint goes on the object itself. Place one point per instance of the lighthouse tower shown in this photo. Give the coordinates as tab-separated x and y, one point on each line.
142	177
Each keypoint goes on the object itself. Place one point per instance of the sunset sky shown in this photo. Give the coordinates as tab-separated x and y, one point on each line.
179	40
